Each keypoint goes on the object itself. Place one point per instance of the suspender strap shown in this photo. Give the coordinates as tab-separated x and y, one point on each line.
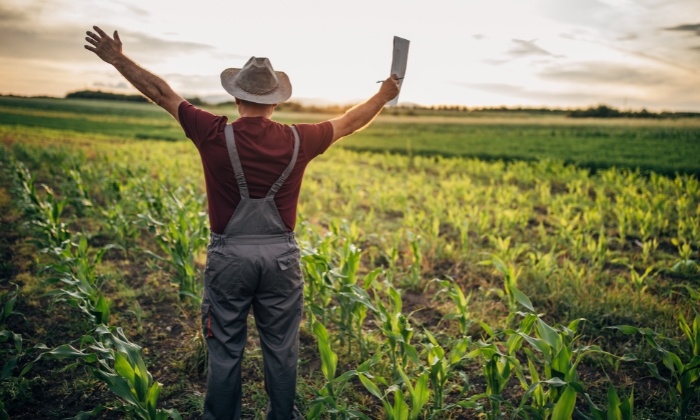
278	184
236	162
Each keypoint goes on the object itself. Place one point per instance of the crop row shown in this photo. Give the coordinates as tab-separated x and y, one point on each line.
543	228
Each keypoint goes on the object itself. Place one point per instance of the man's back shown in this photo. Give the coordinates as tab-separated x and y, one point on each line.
265	148
253	170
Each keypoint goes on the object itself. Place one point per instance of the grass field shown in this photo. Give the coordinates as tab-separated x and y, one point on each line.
662	146
435	287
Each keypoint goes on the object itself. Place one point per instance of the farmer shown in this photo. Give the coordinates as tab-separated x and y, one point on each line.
253	169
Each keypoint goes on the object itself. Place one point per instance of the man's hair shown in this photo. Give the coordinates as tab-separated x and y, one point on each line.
249	104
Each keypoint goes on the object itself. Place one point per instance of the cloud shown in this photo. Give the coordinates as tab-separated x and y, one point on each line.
694	27
524	48
603	72
65	44
118	86
12	15
478	37
537	95
185	83
494	62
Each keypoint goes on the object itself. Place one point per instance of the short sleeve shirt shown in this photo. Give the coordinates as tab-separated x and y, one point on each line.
265	148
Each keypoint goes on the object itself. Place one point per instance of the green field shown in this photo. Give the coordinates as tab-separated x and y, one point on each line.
437	287
662	146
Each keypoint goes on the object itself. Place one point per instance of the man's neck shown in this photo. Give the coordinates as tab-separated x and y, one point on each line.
251	113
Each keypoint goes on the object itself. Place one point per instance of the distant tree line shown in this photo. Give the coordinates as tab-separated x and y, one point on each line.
98	94
604	111
600	111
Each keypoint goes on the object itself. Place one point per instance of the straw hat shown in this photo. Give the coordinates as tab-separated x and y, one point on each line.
257	82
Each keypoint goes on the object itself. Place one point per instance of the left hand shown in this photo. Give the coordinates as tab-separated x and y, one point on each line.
108	49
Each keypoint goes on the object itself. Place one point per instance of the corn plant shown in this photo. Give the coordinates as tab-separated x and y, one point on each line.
328	396
318	283
510	281
638	281
114	360
463	316
685	265
418	392
560	359
75	271
442	367
356	302
414	278
395	326
616	409
8	307
124	230
648	247
14	355
76	191
684	381
44	214
180	239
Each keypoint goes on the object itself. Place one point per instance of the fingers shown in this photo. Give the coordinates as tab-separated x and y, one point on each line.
394	76
89	48
90	40
100	31
93	36
116	36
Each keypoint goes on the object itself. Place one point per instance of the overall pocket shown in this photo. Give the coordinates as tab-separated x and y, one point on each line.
289	274
222	276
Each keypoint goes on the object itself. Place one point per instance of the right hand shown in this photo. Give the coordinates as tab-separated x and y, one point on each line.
390	87
108	49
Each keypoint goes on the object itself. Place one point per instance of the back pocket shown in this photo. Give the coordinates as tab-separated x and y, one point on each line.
289	277
223	276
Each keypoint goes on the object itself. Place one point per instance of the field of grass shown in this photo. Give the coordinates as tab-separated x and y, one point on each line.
665	147
435	287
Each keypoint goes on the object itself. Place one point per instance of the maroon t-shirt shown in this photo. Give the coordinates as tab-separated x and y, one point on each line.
265	148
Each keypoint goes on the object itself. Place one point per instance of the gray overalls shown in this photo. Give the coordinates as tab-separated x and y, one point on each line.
254	261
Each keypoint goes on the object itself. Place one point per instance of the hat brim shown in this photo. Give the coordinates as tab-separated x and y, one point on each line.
281	93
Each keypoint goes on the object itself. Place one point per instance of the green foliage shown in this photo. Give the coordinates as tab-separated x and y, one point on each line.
179	238
117	362
684	368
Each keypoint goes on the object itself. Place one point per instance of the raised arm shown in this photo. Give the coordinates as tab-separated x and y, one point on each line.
152	86
359	116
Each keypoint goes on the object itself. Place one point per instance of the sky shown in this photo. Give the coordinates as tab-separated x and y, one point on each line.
555	53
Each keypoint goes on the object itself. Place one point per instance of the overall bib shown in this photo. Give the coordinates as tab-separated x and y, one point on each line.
254	262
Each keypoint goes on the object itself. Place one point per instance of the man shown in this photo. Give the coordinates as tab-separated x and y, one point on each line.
253	169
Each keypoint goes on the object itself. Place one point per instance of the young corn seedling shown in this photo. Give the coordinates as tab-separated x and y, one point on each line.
114	360
616	409
397	329
684	383
76	191
463	316
76	272
638	281
441	368
414	269
685	265
318	290
180	239
497	370
328	397
45	214
560	357
418	392
510	281
648	247
124	230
